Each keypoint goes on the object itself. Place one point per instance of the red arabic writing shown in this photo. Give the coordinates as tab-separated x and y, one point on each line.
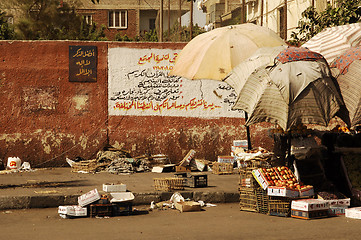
165	105
157	58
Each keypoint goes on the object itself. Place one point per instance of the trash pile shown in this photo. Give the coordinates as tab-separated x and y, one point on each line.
14	164
116	161
115	201
178	202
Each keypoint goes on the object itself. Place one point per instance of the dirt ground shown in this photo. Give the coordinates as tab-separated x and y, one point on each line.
225	221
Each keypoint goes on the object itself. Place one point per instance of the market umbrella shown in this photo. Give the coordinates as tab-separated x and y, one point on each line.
297	89
346	68
214	54
238	76
332	41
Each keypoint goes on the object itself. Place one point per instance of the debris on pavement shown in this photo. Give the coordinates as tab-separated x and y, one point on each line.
118	161
178	202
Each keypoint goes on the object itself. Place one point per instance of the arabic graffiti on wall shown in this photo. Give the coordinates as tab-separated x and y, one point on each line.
83	63
139	84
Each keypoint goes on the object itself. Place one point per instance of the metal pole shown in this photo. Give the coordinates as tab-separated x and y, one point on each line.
161	22
180	20
262	7
191	20
285	21
168	20
247	131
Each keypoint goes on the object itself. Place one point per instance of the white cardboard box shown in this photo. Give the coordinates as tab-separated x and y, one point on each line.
340	202
310	205
225	159
73	210
257	174
353	212
108	187
282	192
121	197
88	198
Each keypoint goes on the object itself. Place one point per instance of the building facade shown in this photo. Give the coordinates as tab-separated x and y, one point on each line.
133	17
281	16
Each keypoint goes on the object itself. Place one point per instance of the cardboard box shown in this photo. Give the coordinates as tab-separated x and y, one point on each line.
188	206
258	175
110	187
353	212
225	159
198	164
241	143
121	197
88	198
339	202
309	214
336	210
282	192
307	192
72	211
164	168
187	159
310	205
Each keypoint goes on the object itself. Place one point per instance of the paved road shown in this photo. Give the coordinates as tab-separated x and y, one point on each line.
224	221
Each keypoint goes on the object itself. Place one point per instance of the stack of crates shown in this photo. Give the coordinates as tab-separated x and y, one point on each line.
252	197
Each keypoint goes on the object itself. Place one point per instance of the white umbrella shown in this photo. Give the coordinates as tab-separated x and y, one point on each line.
332	41
238	76
214	54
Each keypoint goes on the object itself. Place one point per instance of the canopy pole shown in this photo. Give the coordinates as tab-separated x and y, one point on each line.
248	133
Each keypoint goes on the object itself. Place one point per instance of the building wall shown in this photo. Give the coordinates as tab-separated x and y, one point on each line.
46	118
271	15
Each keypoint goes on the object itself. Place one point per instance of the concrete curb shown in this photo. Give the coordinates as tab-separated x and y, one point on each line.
48	201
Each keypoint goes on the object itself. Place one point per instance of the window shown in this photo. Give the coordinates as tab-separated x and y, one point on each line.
88	19
152	24
118	19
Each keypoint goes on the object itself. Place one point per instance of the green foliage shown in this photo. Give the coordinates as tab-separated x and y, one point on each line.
312	22
50	20
6	31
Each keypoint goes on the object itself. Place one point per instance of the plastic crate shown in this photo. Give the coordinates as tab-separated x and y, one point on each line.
279	206
100	210
196	181
309	214
222	168
168	184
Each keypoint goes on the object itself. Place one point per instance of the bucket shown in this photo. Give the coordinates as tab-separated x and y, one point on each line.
14	163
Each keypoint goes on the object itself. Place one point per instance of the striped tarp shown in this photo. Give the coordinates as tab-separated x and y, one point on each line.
350	85
289	94
332	41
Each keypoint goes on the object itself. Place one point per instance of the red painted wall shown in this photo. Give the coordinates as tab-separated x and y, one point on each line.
45	118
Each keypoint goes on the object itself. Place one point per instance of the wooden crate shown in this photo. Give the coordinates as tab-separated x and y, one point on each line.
247	200
101	210
262	200
168	184
222	168
246	178
279	206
